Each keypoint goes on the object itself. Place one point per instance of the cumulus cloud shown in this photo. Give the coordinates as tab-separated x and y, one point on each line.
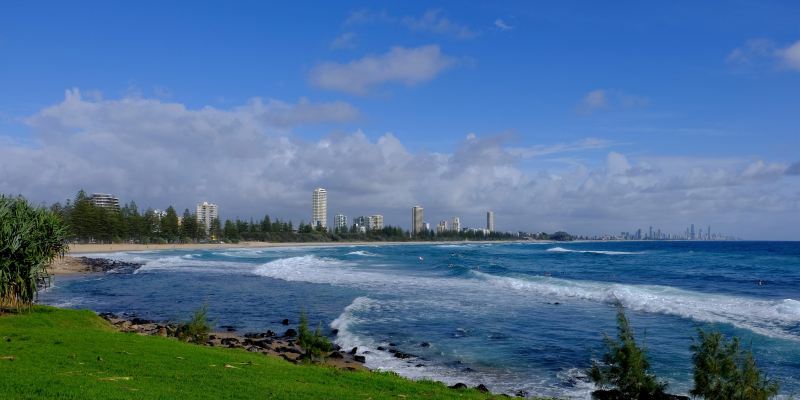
431	21
502	25
344	41
435	22
248	160
600	99
766	53
408	66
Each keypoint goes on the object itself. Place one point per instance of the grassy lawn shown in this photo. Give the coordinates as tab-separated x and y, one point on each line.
66	354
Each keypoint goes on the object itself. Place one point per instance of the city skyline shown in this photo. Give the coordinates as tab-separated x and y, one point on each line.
542	117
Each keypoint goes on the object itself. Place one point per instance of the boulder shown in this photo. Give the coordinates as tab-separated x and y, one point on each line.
354	351
290	333
360	359
424	344
458	385
335	354
285	322
482	388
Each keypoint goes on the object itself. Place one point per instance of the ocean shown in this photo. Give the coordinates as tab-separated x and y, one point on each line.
513	316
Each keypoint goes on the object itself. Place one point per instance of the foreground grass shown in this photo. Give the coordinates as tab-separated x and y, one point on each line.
66	354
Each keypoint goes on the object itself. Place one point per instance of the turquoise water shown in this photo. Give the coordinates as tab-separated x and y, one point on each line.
513	316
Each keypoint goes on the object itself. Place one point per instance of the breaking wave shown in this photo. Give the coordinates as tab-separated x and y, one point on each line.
610	253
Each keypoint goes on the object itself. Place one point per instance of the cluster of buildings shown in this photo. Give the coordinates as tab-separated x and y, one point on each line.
656	234
205	211
364	223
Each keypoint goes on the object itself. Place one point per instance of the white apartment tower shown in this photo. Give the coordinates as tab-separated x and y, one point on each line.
375	222
490	221
206	212
442	227
416	220
104	200
319	208
456	226
340	221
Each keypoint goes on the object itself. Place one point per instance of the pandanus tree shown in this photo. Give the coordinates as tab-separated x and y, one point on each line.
30	238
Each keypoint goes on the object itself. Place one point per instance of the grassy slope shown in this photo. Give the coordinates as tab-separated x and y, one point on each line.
70	354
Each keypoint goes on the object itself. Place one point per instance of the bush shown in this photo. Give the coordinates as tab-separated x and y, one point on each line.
723	371
315	344
625	366
197	329
30	238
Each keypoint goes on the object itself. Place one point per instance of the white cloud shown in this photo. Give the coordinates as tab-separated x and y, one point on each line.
408	66
344	41
502	25
599	99
248	160
433	21
766	53
790	56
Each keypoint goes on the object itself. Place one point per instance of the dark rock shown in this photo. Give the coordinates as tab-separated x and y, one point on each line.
285	322
482	388
467	369
229	341
290	333
334	332
337	347
140	321
230	329
335	354
615	394
556	303
401	355
521	393
381	348
419	365
424	344
360	359
393	344
458	385
354	351
392	351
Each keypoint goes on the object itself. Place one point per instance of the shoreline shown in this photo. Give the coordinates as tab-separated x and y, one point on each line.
122	247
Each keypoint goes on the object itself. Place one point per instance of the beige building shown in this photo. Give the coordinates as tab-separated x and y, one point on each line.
376	222
416	220
105	200
442	227
319	208
206	212
456	226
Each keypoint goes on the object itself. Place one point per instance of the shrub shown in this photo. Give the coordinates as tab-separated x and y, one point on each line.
625	367
315	344
30	238
723	371
196	329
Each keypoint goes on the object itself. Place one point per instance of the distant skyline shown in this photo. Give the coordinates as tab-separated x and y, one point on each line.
586	117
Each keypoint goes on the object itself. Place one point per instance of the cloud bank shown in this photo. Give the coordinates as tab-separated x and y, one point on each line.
248	160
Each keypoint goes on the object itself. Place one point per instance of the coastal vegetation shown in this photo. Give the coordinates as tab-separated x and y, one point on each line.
68	354
722	369
30	238
197	328
315	344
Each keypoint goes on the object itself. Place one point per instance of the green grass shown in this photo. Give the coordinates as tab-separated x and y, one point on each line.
66	354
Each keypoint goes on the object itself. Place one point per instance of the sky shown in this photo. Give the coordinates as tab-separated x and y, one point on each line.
589	117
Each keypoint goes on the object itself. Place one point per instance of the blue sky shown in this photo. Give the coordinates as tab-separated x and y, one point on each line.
700	101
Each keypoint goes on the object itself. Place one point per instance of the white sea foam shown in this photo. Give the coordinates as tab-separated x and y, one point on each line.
362	253
774	318
610	253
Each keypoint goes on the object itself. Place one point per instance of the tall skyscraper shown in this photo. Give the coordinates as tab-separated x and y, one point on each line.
319	207
490	221
416	220
456	226
340	221
104	200
708	233
691	234
206	212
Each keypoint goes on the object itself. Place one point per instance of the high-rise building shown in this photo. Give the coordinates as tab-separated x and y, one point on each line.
376	222
456	226
340	221
206	212
361	223
416	220
691	234
442	227
490	221
319	208
104	200
708	233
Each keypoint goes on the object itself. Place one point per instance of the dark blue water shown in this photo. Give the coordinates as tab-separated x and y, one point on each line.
512	316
